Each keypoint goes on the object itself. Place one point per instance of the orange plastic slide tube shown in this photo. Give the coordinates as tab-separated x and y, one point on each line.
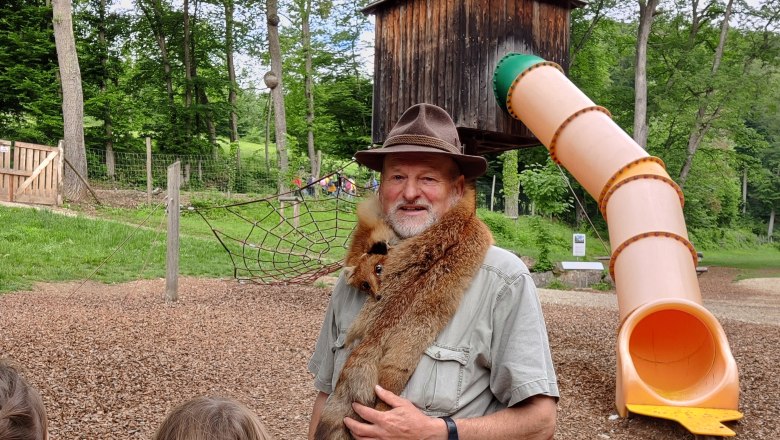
671	351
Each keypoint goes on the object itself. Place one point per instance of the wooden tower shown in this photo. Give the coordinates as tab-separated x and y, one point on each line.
444	52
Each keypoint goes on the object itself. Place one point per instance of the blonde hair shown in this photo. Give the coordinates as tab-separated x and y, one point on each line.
211	418
22	414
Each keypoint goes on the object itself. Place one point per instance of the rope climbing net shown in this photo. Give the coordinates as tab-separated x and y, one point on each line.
290	238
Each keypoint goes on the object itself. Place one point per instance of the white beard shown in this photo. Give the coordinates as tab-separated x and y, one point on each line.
406	226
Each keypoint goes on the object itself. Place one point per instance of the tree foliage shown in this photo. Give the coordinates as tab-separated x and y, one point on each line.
181	95
544	185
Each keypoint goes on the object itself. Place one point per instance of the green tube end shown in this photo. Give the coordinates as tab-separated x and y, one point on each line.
507	69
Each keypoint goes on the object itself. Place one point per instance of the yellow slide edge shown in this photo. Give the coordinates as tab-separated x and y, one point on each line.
701	421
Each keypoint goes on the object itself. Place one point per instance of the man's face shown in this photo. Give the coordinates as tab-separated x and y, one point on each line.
417	189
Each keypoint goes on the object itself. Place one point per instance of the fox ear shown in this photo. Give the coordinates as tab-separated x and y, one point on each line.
378	248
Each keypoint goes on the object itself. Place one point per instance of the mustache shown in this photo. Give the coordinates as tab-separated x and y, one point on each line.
416	204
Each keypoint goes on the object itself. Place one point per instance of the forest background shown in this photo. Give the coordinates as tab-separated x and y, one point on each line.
283	91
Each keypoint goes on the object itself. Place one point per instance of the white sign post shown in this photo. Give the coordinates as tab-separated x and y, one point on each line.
578	245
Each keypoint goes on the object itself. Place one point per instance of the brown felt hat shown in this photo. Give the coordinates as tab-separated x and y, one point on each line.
424	128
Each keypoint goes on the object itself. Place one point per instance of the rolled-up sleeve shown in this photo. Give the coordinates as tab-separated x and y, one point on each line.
329	352
321	362
521	361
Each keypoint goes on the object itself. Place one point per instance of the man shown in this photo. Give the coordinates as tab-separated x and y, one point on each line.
487	373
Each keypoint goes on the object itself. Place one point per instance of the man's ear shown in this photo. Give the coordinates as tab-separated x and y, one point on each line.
348	271
460	185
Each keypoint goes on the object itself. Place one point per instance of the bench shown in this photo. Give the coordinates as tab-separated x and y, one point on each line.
582	273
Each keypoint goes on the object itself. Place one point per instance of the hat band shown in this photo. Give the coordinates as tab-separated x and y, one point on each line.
422	140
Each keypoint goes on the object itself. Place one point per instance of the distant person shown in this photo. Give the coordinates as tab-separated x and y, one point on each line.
310	186
373	184
211	418
22	414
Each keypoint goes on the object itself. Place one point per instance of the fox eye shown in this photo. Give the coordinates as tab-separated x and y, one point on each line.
378	269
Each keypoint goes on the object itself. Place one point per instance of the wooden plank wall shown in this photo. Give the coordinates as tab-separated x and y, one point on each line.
445	51
43	188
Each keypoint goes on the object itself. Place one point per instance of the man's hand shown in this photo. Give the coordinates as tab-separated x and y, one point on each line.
403	421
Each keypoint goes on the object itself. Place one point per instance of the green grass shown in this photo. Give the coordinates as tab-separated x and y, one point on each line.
38	245
249	149
519	236
762	261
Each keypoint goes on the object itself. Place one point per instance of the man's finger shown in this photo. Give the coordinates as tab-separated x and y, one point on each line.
389	397
368	414
359	430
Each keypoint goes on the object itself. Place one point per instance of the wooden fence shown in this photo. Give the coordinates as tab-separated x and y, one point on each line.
30	173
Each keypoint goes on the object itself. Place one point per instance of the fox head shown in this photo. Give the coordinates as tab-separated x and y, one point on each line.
366	274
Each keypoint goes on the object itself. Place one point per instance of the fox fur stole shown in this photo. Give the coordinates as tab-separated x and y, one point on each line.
422	281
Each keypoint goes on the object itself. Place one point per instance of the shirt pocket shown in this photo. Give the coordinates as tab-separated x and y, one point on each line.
437	383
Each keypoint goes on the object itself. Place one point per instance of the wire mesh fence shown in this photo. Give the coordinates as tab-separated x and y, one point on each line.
128	170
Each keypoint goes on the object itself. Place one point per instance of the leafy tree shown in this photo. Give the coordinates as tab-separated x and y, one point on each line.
546	188
511	183
29	91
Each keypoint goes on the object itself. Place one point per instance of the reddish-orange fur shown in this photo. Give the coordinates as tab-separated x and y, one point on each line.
369	248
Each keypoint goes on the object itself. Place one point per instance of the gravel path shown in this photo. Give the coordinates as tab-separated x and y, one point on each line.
112	360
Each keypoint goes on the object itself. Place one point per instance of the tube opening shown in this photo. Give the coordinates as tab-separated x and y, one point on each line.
676	354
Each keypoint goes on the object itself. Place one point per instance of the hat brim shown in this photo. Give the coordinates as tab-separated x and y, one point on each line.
470	166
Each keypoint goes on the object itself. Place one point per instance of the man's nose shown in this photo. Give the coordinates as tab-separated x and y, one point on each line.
411	190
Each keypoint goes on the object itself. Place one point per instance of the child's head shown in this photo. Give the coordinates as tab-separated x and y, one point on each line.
211	418
22	414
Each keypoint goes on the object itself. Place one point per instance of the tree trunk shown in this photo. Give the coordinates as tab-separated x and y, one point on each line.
771	229
267	133
703	121
231	70
511	184
187	49
646	12
72	101
744	190
200	94
277	93
108	131
155	18
231	79
308	86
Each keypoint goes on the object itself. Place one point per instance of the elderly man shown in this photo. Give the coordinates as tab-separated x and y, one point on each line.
456	346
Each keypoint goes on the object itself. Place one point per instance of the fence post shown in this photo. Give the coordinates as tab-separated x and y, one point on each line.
172	259
148	170
60	170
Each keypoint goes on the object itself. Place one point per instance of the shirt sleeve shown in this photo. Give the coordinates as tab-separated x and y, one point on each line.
322	361
521	361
